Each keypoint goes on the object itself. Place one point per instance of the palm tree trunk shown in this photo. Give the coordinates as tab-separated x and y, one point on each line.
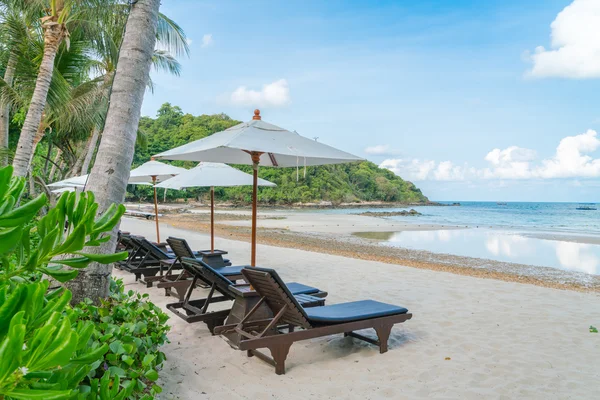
53	35
9	75
109	176
90	151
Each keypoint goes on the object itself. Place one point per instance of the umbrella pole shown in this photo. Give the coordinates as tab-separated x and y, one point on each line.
255	161
212	219
156	210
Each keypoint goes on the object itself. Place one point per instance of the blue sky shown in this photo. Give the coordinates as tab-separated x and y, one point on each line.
428	89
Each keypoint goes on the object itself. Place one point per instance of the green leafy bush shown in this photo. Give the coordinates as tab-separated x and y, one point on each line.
49	350
134	329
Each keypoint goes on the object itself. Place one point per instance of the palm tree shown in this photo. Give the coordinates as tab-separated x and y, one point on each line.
14	26
57	16
109	176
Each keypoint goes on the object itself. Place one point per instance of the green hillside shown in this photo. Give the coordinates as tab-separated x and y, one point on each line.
336	183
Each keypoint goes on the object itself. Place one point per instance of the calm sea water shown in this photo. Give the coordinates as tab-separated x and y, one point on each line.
508	241
555	217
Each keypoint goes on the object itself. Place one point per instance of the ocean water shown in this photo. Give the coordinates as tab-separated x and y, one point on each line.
553	217
503	233
497	245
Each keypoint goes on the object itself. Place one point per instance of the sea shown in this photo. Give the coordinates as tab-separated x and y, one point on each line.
555	235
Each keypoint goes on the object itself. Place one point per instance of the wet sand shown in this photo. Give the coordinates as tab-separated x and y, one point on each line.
333	234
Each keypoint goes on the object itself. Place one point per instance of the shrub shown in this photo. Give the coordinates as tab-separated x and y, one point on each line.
47	349
134	329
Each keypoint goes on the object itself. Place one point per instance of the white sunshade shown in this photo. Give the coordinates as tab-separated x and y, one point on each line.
75	182
281	147
64	189
80	182
208	174
162	172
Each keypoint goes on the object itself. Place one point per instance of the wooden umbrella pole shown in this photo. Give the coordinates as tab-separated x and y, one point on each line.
255	161
212	219
156	210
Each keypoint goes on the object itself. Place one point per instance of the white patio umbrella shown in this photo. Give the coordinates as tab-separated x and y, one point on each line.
76	181
258	142
64	189
148	173
153	172
208	174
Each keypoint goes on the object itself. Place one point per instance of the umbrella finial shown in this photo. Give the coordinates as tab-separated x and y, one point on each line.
256	114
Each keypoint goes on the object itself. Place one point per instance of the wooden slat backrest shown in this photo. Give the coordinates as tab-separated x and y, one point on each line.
180	247
126	241
208	275
155	251
268	284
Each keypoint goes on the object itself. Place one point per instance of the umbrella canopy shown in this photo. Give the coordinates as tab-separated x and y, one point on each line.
81	181
153	171
208	174
258	142
64	189
76	181
278	147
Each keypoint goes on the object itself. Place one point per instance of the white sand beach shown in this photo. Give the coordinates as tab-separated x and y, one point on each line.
469	338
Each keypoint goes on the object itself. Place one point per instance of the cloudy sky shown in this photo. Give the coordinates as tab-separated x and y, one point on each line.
471	100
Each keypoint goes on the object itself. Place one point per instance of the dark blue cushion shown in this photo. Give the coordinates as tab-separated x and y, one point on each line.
353	311
298	288
229	271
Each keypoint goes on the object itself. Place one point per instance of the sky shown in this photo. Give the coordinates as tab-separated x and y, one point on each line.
495	100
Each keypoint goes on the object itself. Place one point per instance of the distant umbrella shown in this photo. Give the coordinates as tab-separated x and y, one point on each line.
154	172
258	142
208	174
148	173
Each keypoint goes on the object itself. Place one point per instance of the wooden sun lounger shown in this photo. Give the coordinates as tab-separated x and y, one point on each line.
316	322
148	260
176	283
219	281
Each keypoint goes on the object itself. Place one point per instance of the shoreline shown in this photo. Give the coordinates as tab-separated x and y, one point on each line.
338	240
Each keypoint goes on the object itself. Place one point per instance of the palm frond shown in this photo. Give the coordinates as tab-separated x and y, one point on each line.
171	37
164	61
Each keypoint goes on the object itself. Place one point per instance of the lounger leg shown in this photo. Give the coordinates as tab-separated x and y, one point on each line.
279	353
383	334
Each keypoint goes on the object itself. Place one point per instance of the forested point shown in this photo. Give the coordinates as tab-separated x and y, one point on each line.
344	183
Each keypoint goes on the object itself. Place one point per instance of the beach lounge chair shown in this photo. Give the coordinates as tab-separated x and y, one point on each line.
176	282
148	260
316	322
197	310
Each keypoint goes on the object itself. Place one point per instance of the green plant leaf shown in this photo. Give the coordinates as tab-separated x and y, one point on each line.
61	275
151	375
27	394
23	214
105	258
77	262
91	356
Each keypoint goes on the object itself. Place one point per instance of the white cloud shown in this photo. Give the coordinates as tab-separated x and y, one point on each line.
207	40
189	41
275	94
421	170
381	150
571	160
575	44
